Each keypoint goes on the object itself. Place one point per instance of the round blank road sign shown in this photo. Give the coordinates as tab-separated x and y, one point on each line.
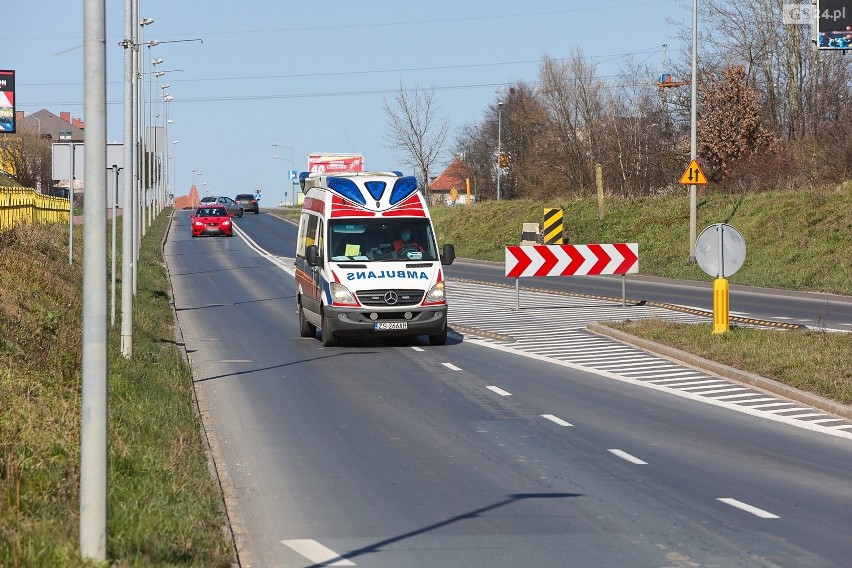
720	250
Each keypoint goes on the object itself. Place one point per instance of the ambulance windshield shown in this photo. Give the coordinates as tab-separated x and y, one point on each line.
386	239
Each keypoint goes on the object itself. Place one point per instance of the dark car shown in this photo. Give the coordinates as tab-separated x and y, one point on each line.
211	219
232	206
249	202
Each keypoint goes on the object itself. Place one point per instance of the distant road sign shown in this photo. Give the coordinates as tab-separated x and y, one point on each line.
693	175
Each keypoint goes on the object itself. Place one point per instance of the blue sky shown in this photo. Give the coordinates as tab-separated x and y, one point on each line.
313	77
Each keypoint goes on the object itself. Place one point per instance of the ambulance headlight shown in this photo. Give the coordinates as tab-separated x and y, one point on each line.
340	294
435	295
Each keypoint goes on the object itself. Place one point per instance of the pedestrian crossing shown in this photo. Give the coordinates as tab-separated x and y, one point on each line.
553	327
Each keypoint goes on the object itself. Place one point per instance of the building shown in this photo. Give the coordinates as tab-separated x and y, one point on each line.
62	128
450	186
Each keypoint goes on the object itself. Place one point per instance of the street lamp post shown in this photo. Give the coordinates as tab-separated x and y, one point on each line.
174	166
499	145
292	161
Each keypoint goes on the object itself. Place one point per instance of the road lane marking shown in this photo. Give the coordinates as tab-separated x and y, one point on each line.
451	367
748	508
499	391
317	553
416	348
556	420
627	457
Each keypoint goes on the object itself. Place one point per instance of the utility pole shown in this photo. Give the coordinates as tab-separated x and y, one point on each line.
93	438
693	152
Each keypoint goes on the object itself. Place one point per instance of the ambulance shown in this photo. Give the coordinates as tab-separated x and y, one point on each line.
367	260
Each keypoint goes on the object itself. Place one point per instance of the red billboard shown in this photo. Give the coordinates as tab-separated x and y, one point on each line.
334	163
7	101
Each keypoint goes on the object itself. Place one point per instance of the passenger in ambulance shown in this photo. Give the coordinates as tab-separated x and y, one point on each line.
406	241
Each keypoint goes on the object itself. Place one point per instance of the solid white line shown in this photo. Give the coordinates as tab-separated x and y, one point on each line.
556	420
748	508
499	391
451	366
317	553
625	456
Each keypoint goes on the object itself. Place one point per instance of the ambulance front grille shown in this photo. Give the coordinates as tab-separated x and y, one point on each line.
390	297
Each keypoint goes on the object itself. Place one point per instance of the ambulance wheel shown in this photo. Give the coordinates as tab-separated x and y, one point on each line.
306	329
328	337
440	339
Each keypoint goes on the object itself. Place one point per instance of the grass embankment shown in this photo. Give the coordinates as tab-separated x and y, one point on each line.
164	507
794	240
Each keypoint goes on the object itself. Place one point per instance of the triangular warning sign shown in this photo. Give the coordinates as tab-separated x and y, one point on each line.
693	175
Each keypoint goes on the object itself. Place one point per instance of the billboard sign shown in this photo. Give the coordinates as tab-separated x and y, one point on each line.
334	163
7	101
834	19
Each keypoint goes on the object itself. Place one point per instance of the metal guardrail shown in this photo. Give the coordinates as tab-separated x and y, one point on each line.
25	205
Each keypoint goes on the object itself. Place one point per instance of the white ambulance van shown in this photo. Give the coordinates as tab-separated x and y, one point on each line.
367	260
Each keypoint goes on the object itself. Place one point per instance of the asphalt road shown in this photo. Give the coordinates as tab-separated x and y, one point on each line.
401	454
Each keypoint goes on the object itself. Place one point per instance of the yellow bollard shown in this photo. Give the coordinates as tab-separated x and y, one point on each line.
721	306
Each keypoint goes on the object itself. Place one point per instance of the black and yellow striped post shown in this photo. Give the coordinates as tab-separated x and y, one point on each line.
552	227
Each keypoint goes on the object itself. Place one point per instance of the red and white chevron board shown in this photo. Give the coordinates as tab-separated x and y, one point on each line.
572	260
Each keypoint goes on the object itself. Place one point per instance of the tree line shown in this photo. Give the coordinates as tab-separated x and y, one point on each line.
773	112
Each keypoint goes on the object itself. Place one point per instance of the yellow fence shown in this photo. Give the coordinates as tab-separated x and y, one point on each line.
24	205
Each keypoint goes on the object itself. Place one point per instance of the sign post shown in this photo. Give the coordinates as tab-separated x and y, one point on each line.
720	251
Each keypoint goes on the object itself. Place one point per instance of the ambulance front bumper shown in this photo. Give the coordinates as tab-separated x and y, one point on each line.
354	322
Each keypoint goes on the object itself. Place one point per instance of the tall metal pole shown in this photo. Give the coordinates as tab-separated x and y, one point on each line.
93	439
71	206
693	140
127	213
115	168
499	145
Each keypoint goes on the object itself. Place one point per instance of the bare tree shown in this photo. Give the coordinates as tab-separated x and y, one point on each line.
415	129
26	155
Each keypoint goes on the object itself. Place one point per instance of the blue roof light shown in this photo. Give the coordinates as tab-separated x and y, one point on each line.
303	175
376	188
402	188
347	188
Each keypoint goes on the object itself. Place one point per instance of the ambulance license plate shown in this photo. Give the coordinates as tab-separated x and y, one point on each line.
391	325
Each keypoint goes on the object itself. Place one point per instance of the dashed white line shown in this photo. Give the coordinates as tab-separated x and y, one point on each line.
317	553
627	457
499	391
416	348
748	508
556	420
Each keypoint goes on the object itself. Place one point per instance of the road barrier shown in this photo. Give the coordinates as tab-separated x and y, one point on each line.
25	205
572	260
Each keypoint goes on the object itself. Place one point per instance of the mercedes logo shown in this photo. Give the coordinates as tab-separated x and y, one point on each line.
391	298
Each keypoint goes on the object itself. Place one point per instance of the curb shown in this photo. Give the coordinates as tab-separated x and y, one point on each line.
725	371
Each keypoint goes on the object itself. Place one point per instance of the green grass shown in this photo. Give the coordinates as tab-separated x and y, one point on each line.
164	507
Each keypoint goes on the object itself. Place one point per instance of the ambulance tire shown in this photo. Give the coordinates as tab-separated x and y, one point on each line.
440	339
328	337
306	329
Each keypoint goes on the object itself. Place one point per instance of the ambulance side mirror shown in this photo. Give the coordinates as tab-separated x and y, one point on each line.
313	256
448	255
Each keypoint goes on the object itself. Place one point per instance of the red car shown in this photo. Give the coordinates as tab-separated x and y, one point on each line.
211	220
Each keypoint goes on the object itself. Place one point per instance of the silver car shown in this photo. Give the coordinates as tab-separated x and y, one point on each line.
232	206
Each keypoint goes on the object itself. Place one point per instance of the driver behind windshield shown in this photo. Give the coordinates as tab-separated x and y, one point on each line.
406	238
